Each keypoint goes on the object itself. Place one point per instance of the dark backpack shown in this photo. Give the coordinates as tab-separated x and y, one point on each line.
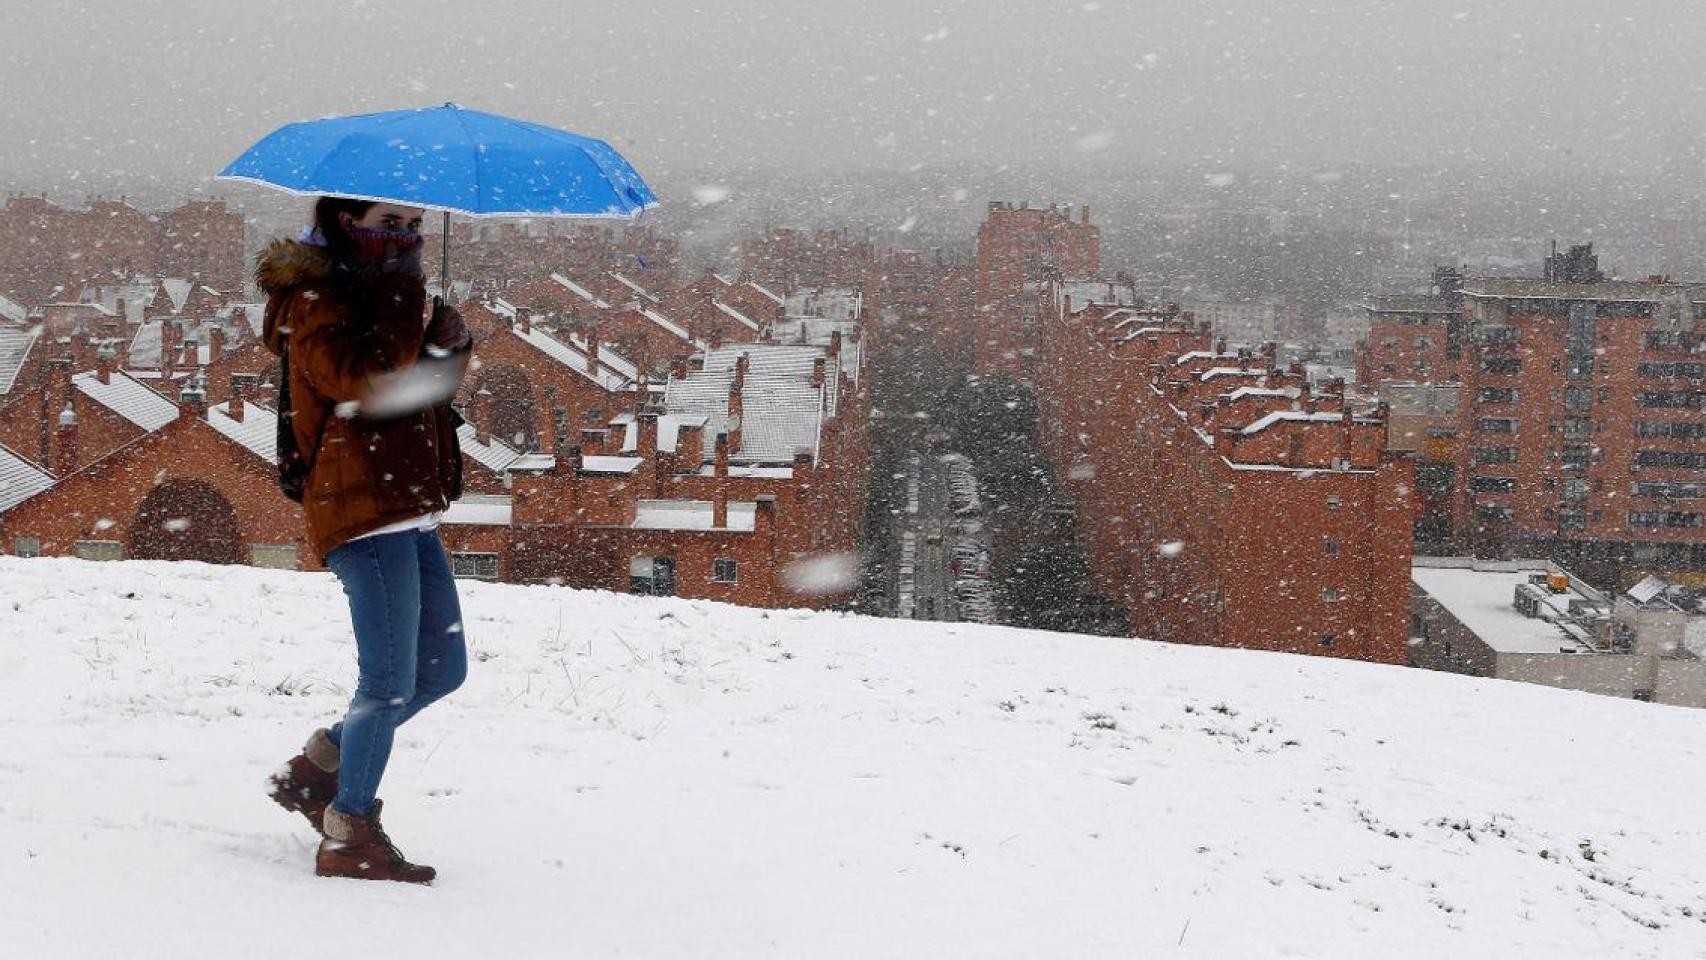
293	467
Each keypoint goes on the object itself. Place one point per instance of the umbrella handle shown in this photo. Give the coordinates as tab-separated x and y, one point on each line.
444	261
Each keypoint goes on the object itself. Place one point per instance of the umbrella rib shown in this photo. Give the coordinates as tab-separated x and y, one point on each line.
479	190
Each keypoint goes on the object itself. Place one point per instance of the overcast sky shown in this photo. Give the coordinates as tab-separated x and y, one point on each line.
166	92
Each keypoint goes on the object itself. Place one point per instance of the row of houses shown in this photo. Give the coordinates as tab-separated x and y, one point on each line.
713	467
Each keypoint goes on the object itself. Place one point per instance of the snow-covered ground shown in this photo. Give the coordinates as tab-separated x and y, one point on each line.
628	777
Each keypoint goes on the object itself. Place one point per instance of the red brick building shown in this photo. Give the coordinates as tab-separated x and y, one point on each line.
1582	418
1018	247
47	250
786	259
1224	501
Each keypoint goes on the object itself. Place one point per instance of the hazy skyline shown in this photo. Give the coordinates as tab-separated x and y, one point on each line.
162	93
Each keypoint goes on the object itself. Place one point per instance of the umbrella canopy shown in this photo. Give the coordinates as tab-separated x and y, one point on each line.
451	159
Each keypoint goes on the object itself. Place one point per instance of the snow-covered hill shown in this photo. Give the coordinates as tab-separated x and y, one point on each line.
627	777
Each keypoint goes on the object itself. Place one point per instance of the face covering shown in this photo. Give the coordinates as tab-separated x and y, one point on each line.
377	247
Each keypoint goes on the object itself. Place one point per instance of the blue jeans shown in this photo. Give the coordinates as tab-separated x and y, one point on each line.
409	646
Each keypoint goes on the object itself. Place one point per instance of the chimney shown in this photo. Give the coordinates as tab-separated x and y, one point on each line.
1084	213
106	360
168	351
216	343
835	344
234	407
592	350
696	362
646	437
803	461
720	466
734	416
193	399
1220	346
482	416
818	365
526	316
575	459
678	369
720	504
65	443
716	339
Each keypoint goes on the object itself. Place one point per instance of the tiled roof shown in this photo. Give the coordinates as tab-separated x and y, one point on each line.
674	328
129	398
737	315
19	479
633	286
258	432
15	347
765	290
782	412
580	291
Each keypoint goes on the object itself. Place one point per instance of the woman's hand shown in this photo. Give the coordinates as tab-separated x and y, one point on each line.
446	330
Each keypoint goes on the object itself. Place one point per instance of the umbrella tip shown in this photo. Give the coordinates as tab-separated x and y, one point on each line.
451	105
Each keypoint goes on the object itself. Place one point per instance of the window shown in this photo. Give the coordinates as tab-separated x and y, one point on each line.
1578	399
1492	484
1330	547
1327	640
1501	365
98	550
1578	428
1495	454
1667	400
1496	425
474	566
276	556
1332	501
1653	491
1572	518
1575	489
1498	395
724	570
1670	458
1680	429
27	546
1665	518
654	576
1492	511
1576	456
1331	594
1672	371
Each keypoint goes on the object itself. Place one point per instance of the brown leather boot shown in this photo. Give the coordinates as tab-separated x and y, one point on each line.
309	782
357	847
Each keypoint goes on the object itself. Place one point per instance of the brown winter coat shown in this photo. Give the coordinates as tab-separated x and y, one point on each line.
343	338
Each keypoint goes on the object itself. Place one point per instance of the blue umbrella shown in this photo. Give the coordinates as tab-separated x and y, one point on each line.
451	159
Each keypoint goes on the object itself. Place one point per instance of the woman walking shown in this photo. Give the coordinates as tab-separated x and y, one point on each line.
347	312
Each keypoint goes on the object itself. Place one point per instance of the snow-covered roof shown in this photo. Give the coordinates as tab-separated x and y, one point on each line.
608	377
782	412
606	357
144	349
12	311
1242	392
579	291
831	303
603	464
15	345
1277	416
693	515
1214	372
495	455
639	290
745	470
129	398
481	509
1482	600
258	431
19	479
178	291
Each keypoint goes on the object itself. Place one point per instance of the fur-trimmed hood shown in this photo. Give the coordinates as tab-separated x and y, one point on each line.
280	268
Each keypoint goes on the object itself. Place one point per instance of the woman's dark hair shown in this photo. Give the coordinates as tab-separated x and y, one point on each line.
326	211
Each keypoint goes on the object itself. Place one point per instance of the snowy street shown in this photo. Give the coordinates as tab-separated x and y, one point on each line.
662	778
